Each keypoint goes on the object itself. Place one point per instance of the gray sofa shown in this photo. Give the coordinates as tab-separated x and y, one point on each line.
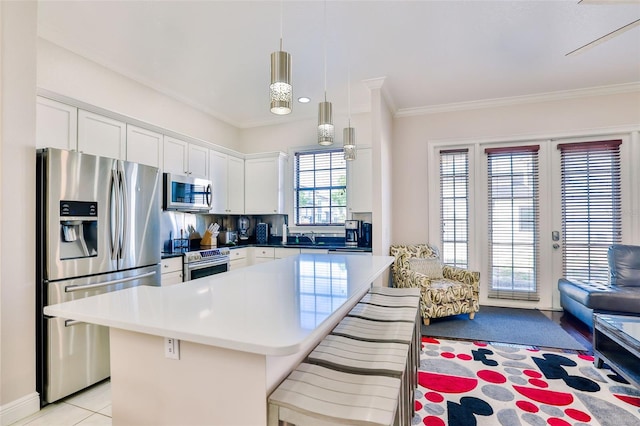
620	295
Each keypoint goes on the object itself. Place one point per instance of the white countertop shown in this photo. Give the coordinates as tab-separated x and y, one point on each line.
271	308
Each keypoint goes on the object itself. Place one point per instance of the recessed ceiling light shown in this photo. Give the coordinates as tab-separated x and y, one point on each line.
304	100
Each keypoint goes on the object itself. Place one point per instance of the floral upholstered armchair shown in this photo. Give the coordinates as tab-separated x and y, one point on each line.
446	290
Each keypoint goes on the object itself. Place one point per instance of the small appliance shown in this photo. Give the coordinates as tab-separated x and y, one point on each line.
186	193
243	228
227	237
262	233
351	231
365	238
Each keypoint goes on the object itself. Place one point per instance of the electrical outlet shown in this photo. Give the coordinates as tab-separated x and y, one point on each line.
171	348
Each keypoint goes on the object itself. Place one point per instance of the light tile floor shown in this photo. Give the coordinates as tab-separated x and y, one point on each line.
91	407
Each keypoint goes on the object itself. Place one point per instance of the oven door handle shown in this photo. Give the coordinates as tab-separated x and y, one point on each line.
207	264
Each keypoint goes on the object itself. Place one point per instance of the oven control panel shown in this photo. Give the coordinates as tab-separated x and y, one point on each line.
196	256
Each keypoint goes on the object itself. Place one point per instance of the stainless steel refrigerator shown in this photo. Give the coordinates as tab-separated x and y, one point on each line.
98	230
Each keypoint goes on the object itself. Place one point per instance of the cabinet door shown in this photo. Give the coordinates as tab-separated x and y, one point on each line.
218	176
144	146
263	186
170	278
280	252
101	136
235	185
174	158
198	161
56	125
360	182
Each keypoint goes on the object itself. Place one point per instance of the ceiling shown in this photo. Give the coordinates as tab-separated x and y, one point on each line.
214	55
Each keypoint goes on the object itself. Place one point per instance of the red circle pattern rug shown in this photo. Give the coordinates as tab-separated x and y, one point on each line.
463	383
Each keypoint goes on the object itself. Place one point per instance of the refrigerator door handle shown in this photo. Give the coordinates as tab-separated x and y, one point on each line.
71	323
71	288
114	217
124	215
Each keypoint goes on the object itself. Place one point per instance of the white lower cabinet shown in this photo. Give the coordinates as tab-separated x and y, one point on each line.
239	258
263	254
314	251
280	252
171	271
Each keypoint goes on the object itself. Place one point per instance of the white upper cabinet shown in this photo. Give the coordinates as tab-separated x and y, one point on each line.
264	184
227	176
56	125
185	159
235	185
198	161
144	146
175	156
360	181
101	136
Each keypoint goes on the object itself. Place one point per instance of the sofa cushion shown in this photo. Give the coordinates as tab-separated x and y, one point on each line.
601	296
432	268
624	265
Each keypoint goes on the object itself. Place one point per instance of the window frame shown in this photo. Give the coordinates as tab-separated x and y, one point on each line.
515	152
597	251
337	152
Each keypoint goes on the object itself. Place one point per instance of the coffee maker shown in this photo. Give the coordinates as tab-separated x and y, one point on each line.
365	235
352	233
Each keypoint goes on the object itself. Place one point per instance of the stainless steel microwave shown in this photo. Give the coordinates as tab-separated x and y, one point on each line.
186	193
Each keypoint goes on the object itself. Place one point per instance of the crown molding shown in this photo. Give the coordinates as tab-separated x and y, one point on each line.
520	100
378	84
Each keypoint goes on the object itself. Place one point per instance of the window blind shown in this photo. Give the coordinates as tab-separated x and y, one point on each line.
513	202
454	207
320	188
591	207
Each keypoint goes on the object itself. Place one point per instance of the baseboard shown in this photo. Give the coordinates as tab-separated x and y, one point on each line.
19	409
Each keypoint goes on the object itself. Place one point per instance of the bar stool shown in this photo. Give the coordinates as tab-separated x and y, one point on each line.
400	297
315	395
382	333
367	358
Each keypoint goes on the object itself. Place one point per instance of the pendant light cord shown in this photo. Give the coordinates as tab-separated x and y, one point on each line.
325	50
281	20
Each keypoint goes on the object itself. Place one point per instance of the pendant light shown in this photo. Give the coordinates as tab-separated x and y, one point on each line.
349	133
281	92
325	113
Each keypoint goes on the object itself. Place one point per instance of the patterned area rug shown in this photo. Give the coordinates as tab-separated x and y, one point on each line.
464	383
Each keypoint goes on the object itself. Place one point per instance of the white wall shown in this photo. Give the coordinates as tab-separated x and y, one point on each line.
412	135
65	73
17	216
301	133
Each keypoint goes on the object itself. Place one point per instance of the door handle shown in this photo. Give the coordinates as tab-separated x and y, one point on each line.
71	288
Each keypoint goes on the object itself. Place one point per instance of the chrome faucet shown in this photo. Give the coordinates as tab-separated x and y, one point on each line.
312	237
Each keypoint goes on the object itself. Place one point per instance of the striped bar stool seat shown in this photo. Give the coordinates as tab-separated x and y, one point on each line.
366	358
315	395
382	332
392	314
394	291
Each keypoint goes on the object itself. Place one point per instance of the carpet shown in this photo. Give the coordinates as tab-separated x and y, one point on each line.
504	325
471	383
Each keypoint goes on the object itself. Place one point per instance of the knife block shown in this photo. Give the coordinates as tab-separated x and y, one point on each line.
208	240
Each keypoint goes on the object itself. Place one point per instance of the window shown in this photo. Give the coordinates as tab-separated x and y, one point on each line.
454	207
513	222
320	188
591	207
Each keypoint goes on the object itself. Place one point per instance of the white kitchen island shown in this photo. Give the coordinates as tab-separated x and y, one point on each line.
240	334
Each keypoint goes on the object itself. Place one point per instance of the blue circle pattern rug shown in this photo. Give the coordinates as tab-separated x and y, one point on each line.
463	383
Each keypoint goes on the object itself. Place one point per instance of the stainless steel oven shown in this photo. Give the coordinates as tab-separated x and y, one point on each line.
202	263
